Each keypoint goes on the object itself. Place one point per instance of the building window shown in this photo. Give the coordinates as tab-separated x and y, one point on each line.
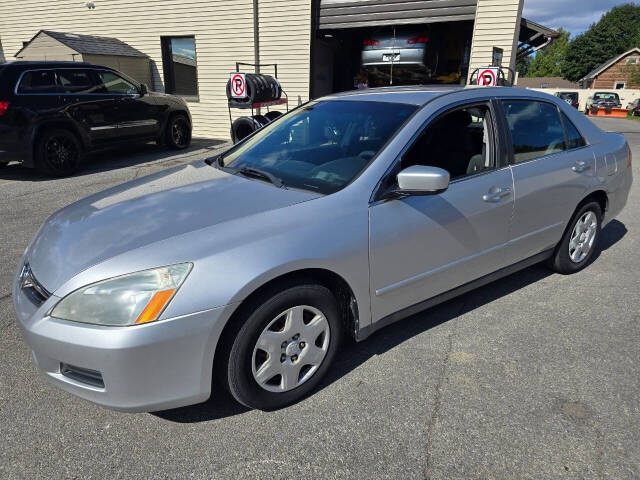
632	61
179	66
619	85
496	57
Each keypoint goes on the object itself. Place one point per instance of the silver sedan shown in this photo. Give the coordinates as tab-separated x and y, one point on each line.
341	217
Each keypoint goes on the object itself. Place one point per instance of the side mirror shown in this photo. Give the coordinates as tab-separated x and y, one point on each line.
421	180
143	89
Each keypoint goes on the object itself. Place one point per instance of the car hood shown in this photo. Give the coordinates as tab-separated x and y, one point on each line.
145	211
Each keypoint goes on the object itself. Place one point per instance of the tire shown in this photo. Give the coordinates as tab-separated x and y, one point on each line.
272	115
567	258
58	153
178	132
268	381
261	119
242	127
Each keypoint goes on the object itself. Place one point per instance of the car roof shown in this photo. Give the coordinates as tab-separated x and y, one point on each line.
422	94
45	64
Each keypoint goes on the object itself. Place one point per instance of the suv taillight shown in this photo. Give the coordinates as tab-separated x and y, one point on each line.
420	39
4	106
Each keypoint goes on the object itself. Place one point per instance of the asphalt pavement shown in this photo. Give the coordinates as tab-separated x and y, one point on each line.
531	377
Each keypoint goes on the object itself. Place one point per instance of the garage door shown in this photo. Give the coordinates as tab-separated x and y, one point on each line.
358	13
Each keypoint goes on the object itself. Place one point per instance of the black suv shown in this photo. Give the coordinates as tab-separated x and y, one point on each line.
52	113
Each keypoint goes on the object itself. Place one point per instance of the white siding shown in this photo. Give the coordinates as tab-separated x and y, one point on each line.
497	24
223	30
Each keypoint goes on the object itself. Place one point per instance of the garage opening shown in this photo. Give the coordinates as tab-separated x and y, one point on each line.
374	44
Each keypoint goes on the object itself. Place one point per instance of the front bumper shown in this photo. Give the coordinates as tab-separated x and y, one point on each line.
156	366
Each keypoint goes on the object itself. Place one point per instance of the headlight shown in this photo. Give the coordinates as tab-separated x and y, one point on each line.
127	300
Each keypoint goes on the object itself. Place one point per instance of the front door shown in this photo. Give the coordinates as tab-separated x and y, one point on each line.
422	246
137	116
552	169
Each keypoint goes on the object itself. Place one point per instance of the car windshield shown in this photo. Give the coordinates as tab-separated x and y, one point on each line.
605	96
321	146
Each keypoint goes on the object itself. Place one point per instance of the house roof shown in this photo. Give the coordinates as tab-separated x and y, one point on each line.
545	82
90	44
600	68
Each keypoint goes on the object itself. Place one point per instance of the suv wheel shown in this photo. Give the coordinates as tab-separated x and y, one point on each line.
579	241
58	153
178	134
284	348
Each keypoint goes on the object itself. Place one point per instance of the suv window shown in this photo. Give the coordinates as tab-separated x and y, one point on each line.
38	81
574	139
76	81
459	141
112	83
535	128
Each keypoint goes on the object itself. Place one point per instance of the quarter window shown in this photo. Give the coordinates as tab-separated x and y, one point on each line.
41	81
112	83
76	81
536	129
180	66
574	139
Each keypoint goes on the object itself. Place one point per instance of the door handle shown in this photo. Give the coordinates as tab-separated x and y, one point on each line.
495	194
580	167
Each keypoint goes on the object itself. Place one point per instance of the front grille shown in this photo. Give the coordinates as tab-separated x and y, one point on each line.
31	287
82	375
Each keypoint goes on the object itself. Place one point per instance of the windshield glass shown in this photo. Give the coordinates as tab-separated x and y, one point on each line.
321	146
605	96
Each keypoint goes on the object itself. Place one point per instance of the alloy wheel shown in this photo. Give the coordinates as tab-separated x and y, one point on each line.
583	236
180	132
290	349
61	152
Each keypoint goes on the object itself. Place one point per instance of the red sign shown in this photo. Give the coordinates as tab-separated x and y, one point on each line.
238	85
488	77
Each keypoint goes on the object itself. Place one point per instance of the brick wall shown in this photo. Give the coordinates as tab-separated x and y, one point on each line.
618	72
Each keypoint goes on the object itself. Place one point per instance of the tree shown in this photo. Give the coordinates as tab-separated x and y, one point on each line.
549	61
522	65
617	31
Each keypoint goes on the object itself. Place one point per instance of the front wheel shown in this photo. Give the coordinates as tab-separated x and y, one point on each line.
284	348
178	134
579	241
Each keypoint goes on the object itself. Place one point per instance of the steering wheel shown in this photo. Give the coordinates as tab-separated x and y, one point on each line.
367	154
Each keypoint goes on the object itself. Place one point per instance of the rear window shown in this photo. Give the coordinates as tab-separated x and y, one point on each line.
38	82
76	81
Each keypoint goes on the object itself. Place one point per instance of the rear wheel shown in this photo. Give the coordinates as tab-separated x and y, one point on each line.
58	153
178	134
579	241
284	348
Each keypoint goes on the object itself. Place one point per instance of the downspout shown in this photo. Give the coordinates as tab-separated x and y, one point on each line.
256	36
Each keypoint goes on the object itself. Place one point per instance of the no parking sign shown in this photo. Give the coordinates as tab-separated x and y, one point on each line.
238	85
488	77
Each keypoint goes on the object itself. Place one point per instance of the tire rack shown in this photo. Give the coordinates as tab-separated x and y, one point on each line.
256	105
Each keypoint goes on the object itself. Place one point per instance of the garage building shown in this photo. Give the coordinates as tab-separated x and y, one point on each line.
188	48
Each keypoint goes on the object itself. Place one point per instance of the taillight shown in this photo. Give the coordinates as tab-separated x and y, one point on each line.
420	39
4	106
368	42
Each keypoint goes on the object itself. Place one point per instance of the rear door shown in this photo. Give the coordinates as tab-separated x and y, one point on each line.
552	169
94	112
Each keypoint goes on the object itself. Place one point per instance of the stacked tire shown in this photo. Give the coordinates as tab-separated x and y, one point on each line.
260	88
244	126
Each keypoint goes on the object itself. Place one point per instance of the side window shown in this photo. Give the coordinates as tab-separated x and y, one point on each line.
41	81
535	128
574	139
76	81
112	83
460	141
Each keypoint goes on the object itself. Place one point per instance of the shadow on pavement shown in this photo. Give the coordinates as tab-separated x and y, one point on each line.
120	157
353	354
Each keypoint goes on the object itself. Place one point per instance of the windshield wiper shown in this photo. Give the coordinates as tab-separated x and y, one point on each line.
263	174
